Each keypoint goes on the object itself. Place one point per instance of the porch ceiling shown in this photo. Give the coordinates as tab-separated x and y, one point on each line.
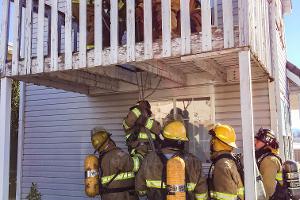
218	67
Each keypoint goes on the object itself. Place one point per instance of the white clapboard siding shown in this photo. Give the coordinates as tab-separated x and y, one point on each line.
228	109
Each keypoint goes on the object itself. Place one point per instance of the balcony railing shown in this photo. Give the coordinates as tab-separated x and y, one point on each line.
47	36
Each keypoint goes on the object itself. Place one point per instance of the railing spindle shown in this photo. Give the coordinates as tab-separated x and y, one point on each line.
148	34
130	29
54	35
68	35
206	25
98	32
82	34
185	19
40	37
114	35
16	39
166	28
228	23
28	36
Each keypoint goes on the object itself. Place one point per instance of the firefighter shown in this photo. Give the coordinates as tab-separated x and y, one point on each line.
268	161
117	168
226	181
137	125
195	12
157	178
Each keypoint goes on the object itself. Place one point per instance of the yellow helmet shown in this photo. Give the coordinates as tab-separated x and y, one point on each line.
225	134
175	130
99	136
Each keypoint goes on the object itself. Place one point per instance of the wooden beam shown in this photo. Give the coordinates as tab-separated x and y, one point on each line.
86	78
5	120
247	124
115	72
47	81
213	68
159	68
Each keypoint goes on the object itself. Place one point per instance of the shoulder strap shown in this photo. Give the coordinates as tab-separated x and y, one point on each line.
266	155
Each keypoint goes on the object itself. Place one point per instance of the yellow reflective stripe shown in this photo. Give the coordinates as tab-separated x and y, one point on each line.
241	191
202	196
125	125
145	136
136	112
191	186
78	1
142	193
155	184
279	176
149	123
120	5
136	163
224	196
90	46
120	177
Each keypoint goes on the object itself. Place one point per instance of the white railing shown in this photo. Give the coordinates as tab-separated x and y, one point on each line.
57	47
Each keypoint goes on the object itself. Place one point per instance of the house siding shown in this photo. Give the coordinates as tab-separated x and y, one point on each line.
58	124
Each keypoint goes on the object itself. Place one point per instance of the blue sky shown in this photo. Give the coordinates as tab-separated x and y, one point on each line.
292	29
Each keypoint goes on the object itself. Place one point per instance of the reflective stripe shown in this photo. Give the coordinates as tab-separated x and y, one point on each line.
149	123
145	136
157	184
125	125
120	177
78	1
142	193
279	176
136	112
136	163
120	5
202	196
190	186
241	191
224	196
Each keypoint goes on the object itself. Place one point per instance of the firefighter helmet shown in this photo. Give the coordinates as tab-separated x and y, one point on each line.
267	136
225	134
175	130
99	137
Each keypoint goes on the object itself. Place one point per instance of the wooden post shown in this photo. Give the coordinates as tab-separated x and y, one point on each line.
5	115
20	140
4	34
247	124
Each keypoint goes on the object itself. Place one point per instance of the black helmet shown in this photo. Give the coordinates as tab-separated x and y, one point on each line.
267	136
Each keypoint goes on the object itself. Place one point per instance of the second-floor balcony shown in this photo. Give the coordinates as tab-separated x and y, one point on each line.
95	42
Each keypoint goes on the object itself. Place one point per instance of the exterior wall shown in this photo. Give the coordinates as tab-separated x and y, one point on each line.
58	124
